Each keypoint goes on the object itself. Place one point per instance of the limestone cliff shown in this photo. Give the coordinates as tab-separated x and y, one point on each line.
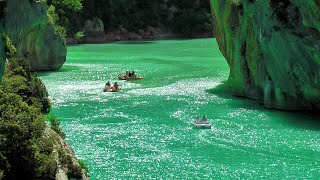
273	50
27	25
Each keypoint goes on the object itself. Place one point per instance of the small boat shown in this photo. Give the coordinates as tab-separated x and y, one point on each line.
111	90
201	124
130	78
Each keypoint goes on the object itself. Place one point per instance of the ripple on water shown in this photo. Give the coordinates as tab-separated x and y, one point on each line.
143	132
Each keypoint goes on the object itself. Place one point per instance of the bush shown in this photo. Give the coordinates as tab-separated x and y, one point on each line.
73	171
9	48
20	128
55	125
83	165
46	165
1	175
79	35
24	152
18	79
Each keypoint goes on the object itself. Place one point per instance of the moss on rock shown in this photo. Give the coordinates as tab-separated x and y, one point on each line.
34	36
273	50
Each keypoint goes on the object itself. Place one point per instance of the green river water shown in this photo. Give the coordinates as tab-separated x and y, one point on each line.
144	131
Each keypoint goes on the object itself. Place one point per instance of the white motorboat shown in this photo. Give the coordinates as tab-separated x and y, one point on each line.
201	124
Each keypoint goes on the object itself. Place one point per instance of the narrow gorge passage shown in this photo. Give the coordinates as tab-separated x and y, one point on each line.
143	132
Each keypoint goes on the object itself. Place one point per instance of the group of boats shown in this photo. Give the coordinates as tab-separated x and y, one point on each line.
131	76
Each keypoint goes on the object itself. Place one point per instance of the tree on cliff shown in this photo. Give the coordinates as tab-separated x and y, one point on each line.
58	13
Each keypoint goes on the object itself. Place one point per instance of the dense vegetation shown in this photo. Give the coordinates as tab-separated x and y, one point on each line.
183	17
24	151
29	149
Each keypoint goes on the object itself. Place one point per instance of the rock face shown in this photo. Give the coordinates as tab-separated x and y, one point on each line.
94	27
273	50
64	167
27	25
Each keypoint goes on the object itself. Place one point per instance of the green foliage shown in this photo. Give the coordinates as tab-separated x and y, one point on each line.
55	125
235	2
53	17
75	5
1	175
79	35
83	165
19	80
57	13
60	30
20	128
10	50
74	171
24	152
135	15
46	164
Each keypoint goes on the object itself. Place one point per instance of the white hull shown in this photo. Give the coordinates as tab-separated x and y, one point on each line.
200	124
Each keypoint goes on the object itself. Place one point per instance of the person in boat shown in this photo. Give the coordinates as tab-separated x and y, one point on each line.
198	118
108	86
127	74
133	73
116	86
204	118
130	74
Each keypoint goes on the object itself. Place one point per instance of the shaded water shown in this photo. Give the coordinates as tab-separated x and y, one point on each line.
143	132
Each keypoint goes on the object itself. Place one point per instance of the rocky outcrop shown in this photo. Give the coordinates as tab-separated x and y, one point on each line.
27	25
273	50
94	27
66	162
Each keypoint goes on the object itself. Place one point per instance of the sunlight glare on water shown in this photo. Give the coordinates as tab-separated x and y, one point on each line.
144	131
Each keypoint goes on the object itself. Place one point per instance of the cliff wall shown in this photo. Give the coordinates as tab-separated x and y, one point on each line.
26	23
273	50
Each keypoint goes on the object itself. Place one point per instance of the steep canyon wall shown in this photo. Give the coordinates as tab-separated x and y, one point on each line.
273	50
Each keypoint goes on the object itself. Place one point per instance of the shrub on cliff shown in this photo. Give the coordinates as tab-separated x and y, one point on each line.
18	79
57	14
55	125
23	151
10	49
21	126
79	35
83	165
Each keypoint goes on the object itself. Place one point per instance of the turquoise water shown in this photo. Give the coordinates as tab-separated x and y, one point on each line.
144	131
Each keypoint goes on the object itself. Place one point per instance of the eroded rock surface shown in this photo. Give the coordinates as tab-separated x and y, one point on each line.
26	23
273	50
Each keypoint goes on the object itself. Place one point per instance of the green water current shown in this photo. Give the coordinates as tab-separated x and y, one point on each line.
144	131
